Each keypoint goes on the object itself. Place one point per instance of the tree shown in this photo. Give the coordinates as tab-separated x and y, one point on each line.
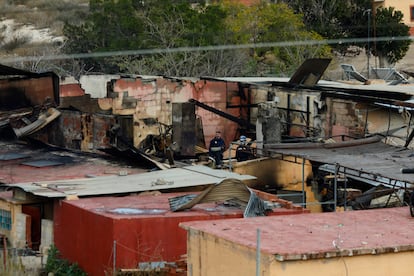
153	25
111	25
168	26
334	19
389	24
160	26
272	23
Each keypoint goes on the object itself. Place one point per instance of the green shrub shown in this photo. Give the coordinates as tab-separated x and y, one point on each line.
59	266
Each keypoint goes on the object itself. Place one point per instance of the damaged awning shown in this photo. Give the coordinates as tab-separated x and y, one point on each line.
232	191
365	159
42	120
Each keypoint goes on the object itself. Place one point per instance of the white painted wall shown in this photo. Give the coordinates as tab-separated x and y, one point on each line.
96	85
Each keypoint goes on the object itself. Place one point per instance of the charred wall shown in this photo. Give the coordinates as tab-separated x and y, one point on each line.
184	128
27	92
79	131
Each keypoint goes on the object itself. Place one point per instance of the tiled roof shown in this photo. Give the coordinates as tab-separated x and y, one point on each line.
318	235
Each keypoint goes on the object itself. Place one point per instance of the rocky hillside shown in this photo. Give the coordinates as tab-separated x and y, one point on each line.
27	24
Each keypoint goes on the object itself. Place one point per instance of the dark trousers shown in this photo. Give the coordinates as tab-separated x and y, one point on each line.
218	157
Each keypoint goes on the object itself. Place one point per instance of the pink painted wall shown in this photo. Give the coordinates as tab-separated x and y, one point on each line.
155	98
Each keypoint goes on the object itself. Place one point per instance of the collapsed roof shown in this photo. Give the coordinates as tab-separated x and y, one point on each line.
367	159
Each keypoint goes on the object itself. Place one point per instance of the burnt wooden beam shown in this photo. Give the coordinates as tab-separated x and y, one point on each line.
241	122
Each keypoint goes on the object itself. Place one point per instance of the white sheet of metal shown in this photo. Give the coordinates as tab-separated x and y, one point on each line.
155	180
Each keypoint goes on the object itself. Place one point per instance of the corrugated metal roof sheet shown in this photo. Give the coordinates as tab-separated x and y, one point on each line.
156	180
228	190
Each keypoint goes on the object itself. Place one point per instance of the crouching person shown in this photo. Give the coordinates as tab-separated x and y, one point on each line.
244	151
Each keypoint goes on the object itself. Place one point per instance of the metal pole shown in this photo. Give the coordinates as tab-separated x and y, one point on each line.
230	168
336	186
303	183
114	258
369	49
258	253
345	192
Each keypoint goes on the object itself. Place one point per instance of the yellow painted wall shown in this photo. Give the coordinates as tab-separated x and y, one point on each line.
282	174
15	210
209	255
367	265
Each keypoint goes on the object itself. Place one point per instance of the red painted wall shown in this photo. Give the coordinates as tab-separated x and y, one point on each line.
85	230
84	238
71	90
33	230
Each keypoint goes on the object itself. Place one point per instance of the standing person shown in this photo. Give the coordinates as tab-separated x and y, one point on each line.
243	151
216	149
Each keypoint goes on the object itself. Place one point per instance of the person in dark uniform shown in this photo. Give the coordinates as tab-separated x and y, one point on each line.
216	149
243	151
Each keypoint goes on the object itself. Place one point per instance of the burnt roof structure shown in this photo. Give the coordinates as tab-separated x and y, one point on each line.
368	159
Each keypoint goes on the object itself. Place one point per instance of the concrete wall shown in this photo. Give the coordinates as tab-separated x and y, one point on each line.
21	230
27	229
298	100
211	255
149	102
46	236
96	85
145	98
343	117
17	235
